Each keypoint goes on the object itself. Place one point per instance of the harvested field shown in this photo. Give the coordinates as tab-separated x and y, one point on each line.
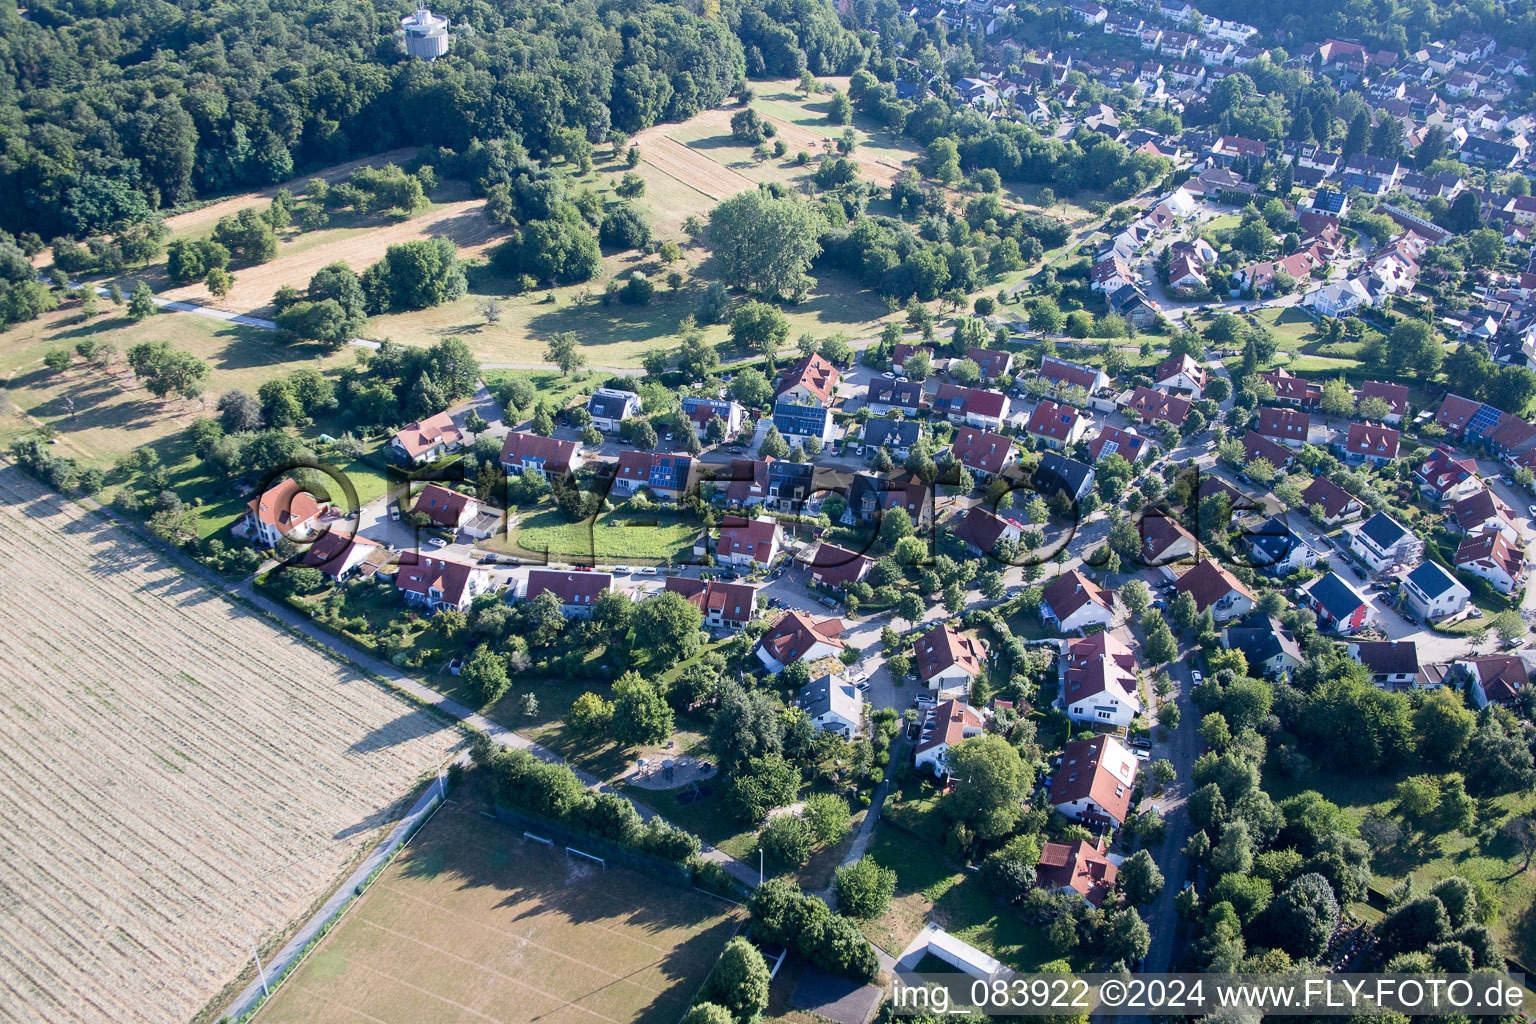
179	774
693	168
474	923
462	222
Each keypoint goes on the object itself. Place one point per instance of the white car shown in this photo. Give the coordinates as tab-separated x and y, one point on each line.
394	514
1195	677
856	677
924	698
437	542
623	570
862	685
888	375
649	570
1532	510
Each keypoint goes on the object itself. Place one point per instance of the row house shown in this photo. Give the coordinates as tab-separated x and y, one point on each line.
547	457
665	477
871	496
778	485
1371	442
1061	373
972	407
1290	427
578	591
888	396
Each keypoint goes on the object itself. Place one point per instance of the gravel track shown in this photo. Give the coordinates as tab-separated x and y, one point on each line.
178	773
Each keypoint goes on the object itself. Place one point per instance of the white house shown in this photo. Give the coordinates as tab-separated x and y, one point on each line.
285	509
1094	783
1098	681
1072	602
794	636
1337	298
1430	592
1492	557
1181	374
947	662
833	704
610	407
945	725
1382	541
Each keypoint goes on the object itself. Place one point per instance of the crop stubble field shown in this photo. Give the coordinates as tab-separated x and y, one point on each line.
473	923
179	773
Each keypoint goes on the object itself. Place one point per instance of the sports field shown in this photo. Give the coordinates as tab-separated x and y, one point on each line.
473	923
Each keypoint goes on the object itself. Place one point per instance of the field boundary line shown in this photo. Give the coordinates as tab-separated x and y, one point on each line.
292	956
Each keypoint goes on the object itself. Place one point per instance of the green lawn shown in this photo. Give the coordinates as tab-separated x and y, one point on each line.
658	538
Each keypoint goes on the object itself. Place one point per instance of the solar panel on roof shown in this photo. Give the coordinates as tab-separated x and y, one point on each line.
1484	419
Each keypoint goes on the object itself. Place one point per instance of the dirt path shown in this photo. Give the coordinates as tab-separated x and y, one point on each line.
463	222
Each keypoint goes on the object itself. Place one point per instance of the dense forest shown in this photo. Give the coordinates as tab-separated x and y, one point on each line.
111	112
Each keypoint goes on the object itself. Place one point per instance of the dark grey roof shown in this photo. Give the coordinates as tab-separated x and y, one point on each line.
896	433
1261	637
1383	530
1057	472
1432	579
608	406
1271	543
1338	598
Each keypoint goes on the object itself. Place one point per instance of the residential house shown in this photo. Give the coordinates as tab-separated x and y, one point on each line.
1133	304
1270	648
725	605
1337	504
835	567
993	364
1338	298
1429	592
981	531
985	454
778	485
1057	426
1339	606
748	543
1264	277
833	704
1463	418
902	350
897	435
802	406
1094	783
795	636
1128	444
1215	589
1446	477
1495	679
1230	147
1163	541
1293	390
610	407
971	406
1080	868
870	496
1074	602
1155	406
1256	446
1290	427
1492	557
285	509
447	509
1098	681
945	724
1382	541
438	582
578	591
1485	511
665	477
1060	373
703	411
1393	664
1374	175
428	439
1395	395
548	457
1110	275
1056	473
888	396
1369	442
1276	550
1181	375
338	555
947	661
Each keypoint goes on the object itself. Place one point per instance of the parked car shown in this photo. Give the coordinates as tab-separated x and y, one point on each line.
735	449
862	685
888	375
394	513
1195	677
1532	511
1140	740
829	602
924	699
623	570
437	542
730	577
649	570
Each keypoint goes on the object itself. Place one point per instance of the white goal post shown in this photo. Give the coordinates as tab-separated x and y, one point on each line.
549	844
571	851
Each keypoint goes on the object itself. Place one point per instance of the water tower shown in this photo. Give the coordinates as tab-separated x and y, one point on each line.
426	34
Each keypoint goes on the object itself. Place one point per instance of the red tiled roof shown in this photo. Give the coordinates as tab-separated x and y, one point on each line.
734	602
1284	424
1060	371
1490	546
1184	364
982	528
1098	663
1080	866
1257	446
442	506
556	454
1291	388
448	575
1155	405
286	505
794	633
1053	421
988	404
423	434
572	588
332	550
1100	769
1395	395
1372	440
753	537
815	374
1208	583
941	648
1504	676
1071	591
947	724
838	566
1324	492
1158	534
979	449
1129	445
